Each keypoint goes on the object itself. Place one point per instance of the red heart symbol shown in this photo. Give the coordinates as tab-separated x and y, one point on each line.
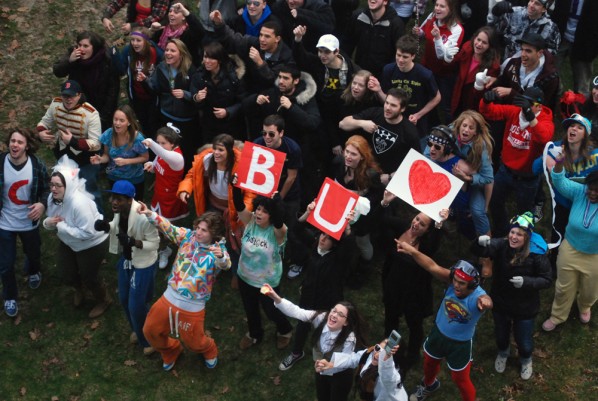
427	186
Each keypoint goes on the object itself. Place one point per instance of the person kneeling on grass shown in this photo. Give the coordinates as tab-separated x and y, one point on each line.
178	316
377	377
452	337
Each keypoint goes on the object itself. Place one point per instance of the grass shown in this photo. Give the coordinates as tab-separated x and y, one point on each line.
55	352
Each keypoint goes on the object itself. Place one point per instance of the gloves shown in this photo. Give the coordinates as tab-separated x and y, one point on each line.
101	225
555	151
490	96
237	194
484	240
517	281
449	53
277	212
504	7
481	79
526	107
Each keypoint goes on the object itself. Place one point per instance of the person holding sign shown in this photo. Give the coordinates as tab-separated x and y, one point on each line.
360	173
262	245
273	137
406	288
391	135
442	147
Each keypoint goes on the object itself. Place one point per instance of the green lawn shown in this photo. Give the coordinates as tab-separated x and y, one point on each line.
55	352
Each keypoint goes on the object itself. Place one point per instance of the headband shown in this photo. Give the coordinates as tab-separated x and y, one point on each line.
140	34
438	139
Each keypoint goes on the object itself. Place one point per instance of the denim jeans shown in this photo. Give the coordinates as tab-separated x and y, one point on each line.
525	192
135	292
477	206
8	250
523	330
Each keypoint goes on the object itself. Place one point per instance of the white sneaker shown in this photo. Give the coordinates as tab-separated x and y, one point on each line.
500	363
163	257
526	371
294	271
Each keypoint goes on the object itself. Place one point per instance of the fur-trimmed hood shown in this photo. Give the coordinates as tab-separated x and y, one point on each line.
306	88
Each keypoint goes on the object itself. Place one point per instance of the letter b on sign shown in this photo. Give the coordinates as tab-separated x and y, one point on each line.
260	169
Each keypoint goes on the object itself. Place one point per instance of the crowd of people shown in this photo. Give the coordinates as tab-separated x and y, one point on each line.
345	93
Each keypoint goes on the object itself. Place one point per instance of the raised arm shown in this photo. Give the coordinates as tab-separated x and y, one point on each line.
424	261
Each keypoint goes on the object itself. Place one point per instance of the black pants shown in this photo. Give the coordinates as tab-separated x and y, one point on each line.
336	387
252	299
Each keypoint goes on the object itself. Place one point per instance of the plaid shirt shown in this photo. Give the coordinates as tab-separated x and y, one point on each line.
159	10
515	25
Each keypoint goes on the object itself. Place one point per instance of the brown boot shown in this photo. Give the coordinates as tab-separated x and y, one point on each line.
100	308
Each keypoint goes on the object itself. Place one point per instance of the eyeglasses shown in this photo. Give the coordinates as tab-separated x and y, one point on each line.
337	313
253	3
271	134
434	145
52	185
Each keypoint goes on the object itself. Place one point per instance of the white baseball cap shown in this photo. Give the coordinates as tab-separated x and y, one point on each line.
330	42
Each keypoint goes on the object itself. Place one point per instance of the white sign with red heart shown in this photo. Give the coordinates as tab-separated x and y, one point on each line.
424	185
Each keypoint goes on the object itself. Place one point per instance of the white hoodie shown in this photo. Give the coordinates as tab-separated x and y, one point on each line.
78	210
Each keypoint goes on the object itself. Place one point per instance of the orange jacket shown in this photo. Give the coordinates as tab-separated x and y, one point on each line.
196	183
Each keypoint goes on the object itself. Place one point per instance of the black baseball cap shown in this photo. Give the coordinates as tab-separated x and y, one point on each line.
70	88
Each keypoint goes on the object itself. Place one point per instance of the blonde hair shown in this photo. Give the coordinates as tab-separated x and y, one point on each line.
186	60
481	140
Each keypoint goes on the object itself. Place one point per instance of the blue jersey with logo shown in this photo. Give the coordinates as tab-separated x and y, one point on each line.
457	317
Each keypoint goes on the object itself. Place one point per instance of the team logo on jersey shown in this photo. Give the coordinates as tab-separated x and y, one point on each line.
455	312
383	140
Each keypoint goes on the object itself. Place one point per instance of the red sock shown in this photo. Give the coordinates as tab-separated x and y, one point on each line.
431	369
463	382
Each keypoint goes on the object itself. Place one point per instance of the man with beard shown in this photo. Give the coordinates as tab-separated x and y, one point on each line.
391	134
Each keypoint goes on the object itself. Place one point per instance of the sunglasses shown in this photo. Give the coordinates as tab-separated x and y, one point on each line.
595	81
434	145
253	3
536	104
270	134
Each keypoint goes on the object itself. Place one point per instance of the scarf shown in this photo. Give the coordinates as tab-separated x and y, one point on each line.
250	28
170	33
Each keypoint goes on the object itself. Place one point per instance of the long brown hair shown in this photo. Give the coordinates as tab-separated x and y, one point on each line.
228	142
368	96
453	17
144	55
355	324
133	127
362	179
481	140
523	252
584	151
491	55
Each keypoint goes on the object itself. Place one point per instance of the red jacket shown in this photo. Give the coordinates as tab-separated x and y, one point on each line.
520	147
429	58
464	91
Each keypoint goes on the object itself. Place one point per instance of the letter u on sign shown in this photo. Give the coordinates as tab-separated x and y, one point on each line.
333	204
259	169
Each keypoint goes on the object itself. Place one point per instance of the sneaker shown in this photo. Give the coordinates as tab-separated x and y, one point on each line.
424	391
585	317
283	340
168	366
11	308
294	271
164	255
500	363
290	360
247	341
548	325
35	280
133	338
526	371
147	351
211	363
100	308
538	212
